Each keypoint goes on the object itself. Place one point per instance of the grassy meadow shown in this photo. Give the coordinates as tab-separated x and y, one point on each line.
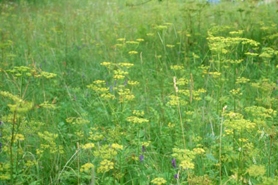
124	93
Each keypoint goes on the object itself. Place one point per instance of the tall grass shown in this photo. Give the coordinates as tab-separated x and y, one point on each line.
171	92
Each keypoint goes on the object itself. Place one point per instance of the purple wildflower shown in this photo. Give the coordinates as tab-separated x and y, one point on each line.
141	158
174	163
176	176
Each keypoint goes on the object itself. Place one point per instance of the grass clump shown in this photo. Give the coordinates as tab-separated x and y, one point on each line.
167	92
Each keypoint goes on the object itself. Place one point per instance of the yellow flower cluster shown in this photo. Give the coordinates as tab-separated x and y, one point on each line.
187	164
181	81
19	137
106	152
133	52
19	105
236	92
251	54
256	170
121	39
214	74
117	146
177	67
170	45
125	64
48	105
105	166
233	61
198	151
95	135
18	71
77	120
125	95
100	87
119	74
261	112
204	180
132	42
49	143
135	119
5	171
268	52
11	96
222	44
237	122
87	168
132	83
88	146
242	80
161	27
30	163
140	40
175	101
46	75
195	56
138	112
159	181
118	90
146	143
236	33
106	64
185	157
171	125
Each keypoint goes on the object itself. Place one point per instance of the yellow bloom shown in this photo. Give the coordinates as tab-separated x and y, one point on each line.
121	39
132	83
140	40
198	150
117	146
19	137
105	152
105	166
187	164
176	67
88	146
48	75
159	181
171	125
214	74
146	144
132	52
242	80
87	167
161	27
170	45
134	119
126	64
107	64
138	112
132	42
48	105
256	170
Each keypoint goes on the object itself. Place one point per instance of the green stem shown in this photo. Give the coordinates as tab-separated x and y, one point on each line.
270	154
11	148
240	164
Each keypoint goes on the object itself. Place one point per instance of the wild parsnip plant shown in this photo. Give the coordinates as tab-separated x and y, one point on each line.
134	92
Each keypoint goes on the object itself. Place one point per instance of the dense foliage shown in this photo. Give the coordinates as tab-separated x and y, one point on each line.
175	92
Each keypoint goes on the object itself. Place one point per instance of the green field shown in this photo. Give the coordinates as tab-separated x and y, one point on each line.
130	93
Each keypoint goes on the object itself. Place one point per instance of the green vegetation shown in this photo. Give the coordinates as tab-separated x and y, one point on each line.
170	92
